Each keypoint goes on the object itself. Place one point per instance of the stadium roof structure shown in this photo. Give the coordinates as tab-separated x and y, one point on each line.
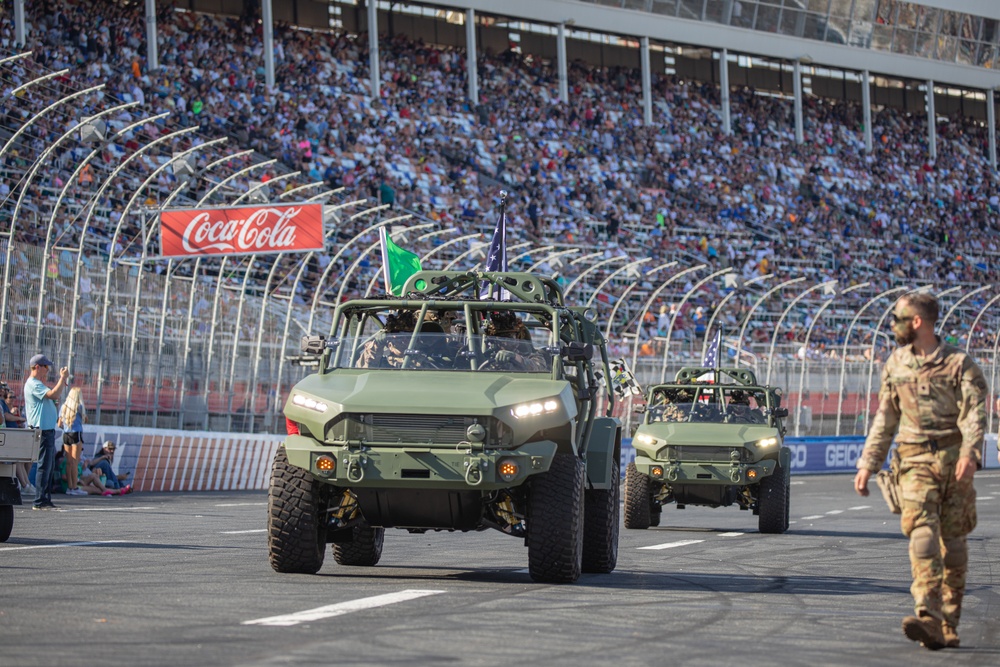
949	41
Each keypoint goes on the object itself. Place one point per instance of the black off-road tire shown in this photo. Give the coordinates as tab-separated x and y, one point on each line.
638	498
555	522
296	519
365	550
773	502
655	512
600	524
6	521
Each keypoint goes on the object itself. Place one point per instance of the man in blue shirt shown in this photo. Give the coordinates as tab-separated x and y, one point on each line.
40	409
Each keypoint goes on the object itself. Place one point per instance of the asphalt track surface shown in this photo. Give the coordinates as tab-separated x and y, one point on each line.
168	579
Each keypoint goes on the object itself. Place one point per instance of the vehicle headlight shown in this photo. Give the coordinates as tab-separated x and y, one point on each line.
767	442
535	408
646	439
309	403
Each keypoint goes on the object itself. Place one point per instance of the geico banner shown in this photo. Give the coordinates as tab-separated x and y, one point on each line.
246	230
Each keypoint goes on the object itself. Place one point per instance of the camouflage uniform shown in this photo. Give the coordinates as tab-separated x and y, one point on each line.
938	406
385	353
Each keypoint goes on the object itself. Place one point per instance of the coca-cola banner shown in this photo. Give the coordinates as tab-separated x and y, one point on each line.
241	231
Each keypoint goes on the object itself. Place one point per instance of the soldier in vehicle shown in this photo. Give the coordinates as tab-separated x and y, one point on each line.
739	410
386	348
671	406
437	347
512	348
933	401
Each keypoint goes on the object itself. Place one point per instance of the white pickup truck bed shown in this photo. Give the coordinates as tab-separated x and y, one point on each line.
19	445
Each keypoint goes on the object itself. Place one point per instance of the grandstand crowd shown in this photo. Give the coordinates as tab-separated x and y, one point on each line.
586	174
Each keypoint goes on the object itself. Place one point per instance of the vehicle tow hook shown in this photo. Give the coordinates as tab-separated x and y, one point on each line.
356	467
475	468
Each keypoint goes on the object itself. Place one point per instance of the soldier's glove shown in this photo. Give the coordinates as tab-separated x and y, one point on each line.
505	356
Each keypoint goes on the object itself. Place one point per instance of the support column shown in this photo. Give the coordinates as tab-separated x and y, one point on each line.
866	105
727	118
267	18
931	121
152	50
991	122
19	27
373	64
647	85
797	91
561	63
470	49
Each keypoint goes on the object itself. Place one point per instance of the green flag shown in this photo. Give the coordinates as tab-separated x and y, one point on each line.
397	264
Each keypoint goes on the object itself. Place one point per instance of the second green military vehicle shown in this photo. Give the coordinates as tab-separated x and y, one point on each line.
713	437
470	402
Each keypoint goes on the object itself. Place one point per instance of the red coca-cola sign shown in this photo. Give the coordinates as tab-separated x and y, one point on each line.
248	230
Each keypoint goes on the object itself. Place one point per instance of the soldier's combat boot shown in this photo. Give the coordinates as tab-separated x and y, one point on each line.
950	636
926	630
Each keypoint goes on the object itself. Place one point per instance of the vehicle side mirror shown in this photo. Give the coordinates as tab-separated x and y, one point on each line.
639	409
312	344
577	351
780	413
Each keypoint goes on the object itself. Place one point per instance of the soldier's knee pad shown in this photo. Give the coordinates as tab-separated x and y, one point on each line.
924	542
956	552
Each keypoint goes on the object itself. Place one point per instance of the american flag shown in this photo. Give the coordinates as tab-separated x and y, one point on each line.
496	257
711	359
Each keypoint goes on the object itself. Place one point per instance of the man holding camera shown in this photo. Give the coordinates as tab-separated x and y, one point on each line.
40	409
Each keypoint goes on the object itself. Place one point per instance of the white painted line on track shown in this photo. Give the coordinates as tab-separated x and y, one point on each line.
341	608
241	504
860	507
240	532
106	509
671	545
730	534
986	498
835	512
814	516
791	522
64	544
795	483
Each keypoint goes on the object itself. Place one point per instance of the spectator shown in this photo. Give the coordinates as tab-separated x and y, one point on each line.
40	406
101	464
71	419
88	481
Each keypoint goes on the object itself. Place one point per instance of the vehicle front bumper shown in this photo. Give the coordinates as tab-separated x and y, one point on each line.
420	466
705	472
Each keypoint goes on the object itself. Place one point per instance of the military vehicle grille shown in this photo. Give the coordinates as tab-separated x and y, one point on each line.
418	429
718	454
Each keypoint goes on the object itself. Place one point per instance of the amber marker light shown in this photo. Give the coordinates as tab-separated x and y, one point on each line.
656	471
508	470
751	474
326	465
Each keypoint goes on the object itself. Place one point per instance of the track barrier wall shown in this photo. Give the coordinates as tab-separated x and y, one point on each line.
173	460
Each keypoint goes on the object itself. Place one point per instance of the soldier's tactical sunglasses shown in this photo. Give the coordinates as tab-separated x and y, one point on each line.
897	318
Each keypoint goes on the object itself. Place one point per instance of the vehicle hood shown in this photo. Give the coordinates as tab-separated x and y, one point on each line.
707	434
429	392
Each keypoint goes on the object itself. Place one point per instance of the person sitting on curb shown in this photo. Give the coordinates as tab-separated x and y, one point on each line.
87	480
101	465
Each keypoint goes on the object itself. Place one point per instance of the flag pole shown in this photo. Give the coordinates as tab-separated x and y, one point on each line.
385	259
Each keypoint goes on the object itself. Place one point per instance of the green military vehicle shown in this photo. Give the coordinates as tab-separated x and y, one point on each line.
713	437
447	410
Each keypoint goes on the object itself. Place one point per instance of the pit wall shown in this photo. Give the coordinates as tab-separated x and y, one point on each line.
173	460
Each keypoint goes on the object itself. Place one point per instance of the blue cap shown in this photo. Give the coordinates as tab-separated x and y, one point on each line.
39	360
